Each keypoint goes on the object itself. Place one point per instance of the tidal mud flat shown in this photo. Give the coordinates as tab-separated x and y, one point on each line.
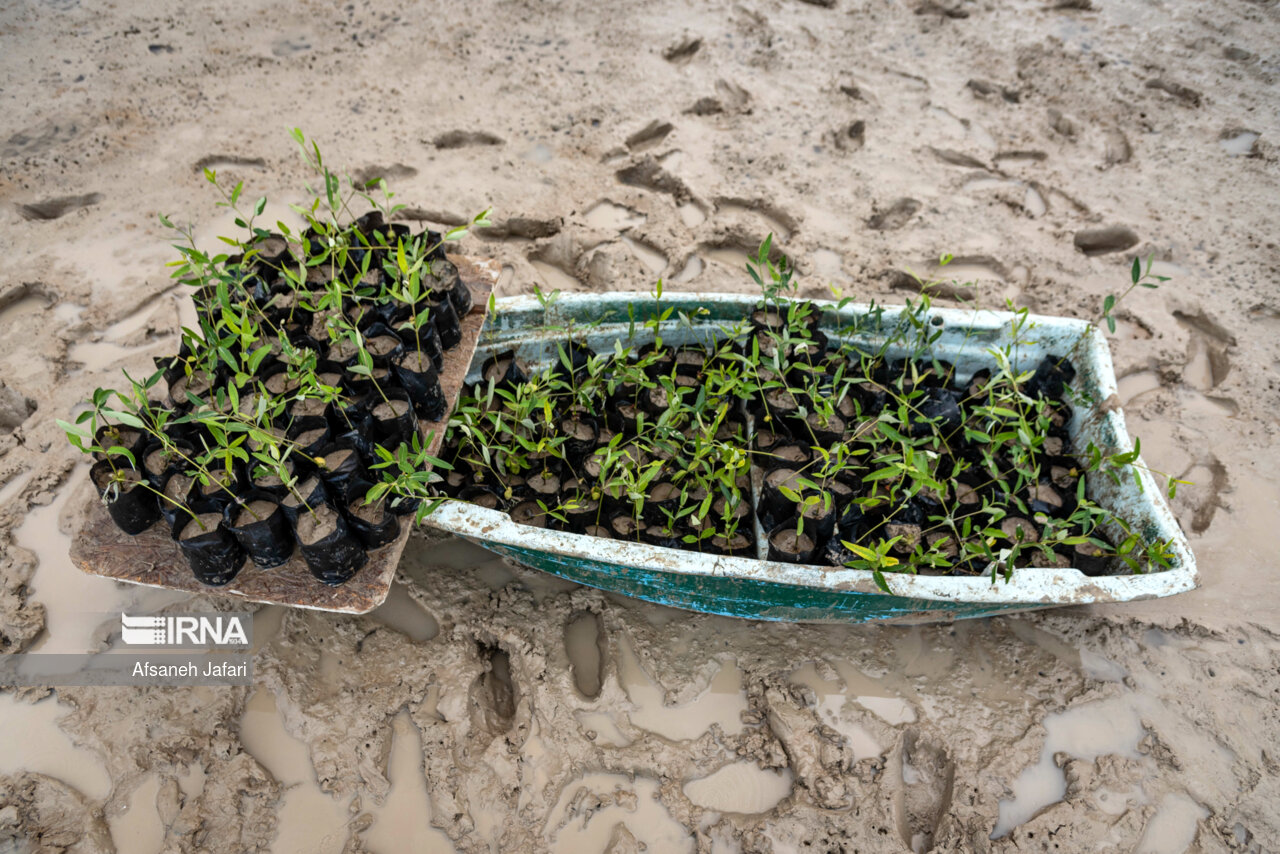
486	707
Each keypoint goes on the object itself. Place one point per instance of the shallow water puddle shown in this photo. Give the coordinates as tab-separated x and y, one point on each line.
966	272
137	318
1084	732
691	270
103	355
403	613
1240	143
832	702
651	258
773	223
692	215
741	787
1173	828
586	649
266	625
10	490
828	263
589	809
604	726
76	604
1131	387
43	748
403	822
734	259
873	696
1034	203
455	553
138	829
15	314
309	820
263	735
722	703
607	216
555	278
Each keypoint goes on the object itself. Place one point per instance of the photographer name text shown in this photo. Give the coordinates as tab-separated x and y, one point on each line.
212	670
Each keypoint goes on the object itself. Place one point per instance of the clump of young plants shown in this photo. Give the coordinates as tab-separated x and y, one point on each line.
777	438
314	367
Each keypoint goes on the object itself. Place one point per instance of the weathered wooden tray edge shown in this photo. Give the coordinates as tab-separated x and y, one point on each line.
152	559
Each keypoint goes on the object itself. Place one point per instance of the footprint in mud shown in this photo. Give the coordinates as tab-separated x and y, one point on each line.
957	158
493	694
781	224
1202	502
1207	363
691	269
964	279
1184	94
607	216
465	139
854	90
851	137
211	161
1115	149
1202	323
682	50
729	98
289	46
1036	200
1020	154
650	135
585	642
648	174
647	254
55	208
15	408
1134	388
928	779
1062	124
1102	241
933	7
522	228
1239	142
895	216
431	215
731	253
987	89
554	277
973	268
39	139
369	176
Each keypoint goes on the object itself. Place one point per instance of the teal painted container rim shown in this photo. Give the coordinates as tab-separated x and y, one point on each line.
524	324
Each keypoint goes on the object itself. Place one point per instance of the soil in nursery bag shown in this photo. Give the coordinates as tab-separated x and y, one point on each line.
211	550
330	547
154	558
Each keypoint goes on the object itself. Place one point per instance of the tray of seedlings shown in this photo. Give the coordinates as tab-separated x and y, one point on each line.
262	460
788	460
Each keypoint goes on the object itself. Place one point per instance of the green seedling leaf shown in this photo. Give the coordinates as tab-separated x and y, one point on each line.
126	418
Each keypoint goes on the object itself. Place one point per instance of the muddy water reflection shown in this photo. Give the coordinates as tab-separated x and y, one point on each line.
722	703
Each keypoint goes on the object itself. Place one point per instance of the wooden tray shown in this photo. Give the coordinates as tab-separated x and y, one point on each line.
153	559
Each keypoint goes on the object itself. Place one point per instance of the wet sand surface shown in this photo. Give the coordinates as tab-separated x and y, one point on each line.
491	708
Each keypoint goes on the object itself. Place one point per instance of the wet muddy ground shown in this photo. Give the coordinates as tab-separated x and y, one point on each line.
487	707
